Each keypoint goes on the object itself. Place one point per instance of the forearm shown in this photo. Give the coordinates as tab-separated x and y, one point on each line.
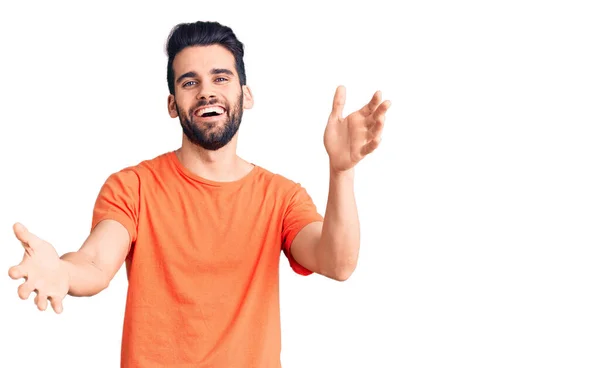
340	237
85	277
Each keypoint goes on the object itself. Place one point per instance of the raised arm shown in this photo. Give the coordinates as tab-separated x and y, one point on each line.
331	247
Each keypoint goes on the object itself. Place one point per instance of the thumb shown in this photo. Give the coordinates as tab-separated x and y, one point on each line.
338	101
23	234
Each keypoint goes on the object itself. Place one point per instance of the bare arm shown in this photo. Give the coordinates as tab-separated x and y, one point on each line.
83	273
331	248
95	264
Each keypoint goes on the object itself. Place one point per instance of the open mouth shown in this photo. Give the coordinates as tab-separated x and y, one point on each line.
210	111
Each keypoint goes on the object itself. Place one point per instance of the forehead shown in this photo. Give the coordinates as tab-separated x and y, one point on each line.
202	59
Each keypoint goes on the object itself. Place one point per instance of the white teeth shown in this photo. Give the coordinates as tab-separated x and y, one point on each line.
217	109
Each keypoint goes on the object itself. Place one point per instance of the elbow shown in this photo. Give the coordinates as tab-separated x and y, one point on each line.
104	281
337	262
99	285
341	277
104	285
343	273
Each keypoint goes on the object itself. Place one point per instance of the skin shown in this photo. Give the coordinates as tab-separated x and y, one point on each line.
217	165
331	248
206	75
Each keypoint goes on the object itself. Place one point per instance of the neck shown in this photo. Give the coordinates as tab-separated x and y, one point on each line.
221	165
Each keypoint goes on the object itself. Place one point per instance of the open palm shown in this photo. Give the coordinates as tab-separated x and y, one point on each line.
348	140
43	270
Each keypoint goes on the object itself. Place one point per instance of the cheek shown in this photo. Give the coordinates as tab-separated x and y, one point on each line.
182	104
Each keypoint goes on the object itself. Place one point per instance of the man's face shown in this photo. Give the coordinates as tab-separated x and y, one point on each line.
208	99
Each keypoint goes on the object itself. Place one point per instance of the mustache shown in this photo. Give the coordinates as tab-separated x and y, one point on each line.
203	103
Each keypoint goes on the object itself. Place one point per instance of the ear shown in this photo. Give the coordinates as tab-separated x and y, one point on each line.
172	106
248	99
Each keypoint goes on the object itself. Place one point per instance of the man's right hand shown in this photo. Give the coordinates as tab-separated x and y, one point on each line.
43	270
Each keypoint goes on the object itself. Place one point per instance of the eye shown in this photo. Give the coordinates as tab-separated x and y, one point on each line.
221	79
189	83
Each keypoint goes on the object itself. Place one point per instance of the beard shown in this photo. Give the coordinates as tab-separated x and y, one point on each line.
208	135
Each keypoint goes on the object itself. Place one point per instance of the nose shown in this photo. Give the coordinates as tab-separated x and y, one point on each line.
205	93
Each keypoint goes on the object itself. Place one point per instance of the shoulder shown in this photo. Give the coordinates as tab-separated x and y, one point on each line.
283	187
275	180
148	166
141	171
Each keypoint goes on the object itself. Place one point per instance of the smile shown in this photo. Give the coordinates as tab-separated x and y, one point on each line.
209	111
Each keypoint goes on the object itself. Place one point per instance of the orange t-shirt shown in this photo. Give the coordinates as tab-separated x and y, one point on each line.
203	268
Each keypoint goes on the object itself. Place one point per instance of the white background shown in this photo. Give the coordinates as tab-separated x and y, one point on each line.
479	211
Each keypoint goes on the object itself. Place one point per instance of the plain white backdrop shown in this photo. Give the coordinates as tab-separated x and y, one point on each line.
480	210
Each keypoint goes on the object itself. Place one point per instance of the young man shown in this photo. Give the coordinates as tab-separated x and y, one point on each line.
201	230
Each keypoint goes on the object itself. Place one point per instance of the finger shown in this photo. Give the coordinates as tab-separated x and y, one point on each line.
371	146
25	289
41	300
21	232
382	109
17	272
372	105
377	127
339	100
56	304
24	236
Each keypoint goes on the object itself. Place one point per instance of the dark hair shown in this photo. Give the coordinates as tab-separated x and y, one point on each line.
203	34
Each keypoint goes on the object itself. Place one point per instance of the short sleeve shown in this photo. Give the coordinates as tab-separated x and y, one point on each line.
118	200
300	211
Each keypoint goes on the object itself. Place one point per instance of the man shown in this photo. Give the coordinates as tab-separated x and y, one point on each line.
201	230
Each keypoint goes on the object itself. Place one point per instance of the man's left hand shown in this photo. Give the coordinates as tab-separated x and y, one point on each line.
348	140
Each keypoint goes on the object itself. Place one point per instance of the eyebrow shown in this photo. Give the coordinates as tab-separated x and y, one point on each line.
221	71
212	71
